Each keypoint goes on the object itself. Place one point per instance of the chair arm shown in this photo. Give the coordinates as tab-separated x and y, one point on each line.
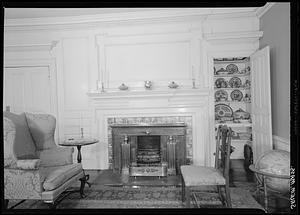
22	184
57	156
28	164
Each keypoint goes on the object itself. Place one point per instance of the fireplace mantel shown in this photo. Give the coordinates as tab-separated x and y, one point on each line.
146	93
149	98
113	108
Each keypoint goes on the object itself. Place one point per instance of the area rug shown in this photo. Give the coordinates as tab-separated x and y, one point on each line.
142	197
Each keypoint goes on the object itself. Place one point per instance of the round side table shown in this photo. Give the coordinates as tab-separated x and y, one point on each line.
78	142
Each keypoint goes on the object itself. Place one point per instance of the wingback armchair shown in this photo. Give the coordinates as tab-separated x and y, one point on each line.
34	166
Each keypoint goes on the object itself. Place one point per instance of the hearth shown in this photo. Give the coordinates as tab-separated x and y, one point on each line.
149	150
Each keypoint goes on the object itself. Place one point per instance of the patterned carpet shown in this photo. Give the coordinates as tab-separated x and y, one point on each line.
143	197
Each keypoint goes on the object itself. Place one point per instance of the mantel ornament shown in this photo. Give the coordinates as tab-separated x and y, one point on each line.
123	87
148	85
173	85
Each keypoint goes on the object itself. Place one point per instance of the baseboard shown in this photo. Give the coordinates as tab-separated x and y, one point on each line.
281	143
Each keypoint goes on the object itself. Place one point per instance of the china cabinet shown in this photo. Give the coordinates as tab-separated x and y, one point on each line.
242	101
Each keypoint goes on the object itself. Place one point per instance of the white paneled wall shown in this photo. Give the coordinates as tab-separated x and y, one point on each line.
83	52
75	71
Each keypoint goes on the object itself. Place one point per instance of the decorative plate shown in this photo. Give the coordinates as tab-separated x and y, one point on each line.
222	110
235	82
221	95
236	95
220	83
222	71
232	68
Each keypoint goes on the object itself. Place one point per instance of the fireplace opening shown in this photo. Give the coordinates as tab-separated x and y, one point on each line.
148	150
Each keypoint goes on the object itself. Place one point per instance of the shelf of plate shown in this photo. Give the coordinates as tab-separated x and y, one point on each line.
246	60
232	102
234	125
232	75
230	88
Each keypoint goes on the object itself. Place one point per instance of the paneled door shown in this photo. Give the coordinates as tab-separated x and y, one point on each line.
261	102
27	89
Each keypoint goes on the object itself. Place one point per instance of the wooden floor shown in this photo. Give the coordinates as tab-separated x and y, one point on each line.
238	175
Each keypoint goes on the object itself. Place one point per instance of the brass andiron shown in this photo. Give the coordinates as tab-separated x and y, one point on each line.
171	156
125	156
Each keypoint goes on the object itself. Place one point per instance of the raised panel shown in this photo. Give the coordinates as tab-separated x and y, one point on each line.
139	62
75	69
40	91
28	89
261	107
14	90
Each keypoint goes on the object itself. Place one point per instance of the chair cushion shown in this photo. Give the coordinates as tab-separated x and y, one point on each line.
55	176
24	146
28	164
42	128
200	175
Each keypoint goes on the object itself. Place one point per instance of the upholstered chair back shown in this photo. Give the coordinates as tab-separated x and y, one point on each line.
9	131
42	129
24	146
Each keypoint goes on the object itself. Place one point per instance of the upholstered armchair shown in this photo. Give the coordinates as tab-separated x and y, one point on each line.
34	166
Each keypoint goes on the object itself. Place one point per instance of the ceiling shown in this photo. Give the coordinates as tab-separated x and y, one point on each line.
20	13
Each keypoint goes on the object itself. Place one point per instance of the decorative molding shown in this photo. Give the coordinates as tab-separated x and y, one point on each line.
262	10
250	36
142	17
30	47
281	143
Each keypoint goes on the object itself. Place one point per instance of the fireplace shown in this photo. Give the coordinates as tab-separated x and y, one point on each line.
148	150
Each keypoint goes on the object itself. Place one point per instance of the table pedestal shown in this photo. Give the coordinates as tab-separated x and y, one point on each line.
79	158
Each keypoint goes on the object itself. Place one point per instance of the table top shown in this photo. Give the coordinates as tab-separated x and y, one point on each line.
79	141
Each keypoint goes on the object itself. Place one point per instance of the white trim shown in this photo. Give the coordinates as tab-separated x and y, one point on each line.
233	35
281	143
157	15
262	10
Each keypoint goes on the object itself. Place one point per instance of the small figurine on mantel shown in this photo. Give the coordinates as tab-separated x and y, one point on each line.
148	85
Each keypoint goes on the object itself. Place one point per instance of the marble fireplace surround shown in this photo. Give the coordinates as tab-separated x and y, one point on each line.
189	106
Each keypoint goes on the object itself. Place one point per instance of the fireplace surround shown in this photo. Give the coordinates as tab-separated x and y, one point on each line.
189	106
148	149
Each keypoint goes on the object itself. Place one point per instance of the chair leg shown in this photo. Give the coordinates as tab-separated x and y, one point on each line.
82	184
182	189
51	205
6	203
187	197
228	198
221	194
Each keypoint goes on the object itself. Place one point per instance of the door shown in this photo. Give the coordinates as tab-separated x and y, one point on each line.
27	89
261	102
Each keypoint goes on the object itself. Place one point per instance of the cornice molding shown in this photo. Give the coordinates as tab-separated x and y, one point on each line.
262	10
233	35
129	17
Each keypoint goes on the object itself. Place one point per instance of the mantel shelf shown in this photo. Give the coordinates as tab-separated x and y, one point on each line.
147	93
